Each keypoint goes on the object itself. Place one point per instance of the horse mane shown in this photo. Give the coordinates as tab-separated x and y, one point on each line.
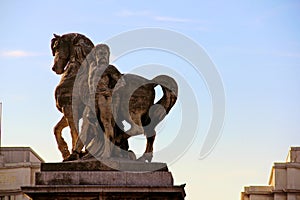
82	47
52	44
81	51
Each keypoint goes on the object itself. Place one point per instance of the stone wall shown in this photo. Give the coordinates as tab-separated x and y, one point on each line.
18	168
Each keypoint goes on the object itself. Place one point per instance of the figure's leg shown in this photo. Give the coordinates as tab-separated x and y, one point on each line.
148	155
121	142
106	116
62	145
90	127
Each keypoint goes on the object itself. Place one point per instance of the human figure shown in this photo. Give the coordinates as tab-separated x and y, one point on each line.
102	80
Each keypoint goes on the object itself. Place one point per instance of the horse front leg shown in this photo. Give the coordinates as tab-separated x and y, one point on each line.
71	116
62	145
148	154
88	131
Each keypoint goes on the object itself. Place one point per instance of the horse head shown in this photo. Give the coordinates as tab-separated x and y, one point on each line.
61	52
67	47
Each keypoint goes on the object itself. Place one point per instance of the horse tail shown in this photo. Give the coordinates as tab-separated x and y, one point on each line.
170	90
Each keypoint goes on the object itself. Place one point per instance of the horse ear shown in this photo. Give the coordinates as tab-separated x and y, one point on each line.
56	36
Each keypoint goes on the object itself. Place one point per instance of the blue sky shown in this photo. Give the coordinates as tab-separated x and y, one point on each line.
255	46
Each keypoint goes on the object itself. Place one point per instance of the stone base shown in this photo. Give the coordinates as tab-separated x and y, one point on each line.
107	178
104	165
101	180
100	192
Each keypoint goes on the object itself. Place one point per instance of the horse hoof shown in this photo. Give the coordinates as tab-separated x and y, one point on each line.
83	153
73	156
146	157
65	154
141	159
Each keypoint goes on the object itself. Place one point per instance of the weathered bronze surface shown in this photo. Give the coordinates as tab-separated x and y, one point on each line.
104	98
70	51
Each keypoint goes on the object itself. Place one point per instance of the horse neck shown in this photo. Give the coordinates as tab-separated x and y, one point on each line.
78	53
77	62
74	58
71	68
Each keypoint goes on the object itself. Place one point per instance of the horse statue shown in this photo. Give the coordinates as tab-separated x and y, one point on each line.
69	51
122	97
128	97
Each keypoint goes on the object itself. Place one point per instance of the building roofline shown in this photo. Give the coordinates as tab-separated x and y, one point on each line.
22	149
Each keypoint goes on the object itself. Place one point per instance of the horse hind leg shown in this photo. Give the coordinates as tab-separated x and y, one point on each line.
136	126
62	145
131	115
156	114
148	154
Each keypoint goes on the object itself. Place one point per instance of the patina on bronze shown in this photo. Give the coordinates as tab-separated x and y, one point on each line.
69	51
116	97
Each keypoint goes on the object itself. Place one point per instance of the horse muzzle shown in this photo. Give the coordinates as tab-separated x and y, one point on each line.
57	71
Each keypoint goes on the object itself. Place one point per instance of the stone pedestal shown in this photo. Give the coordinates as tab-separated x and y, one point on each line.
107	179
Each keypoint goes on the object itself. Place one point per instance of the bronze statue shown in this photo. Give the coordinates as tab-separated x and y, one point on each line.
98	117
111	98
125	97
69	51
137	106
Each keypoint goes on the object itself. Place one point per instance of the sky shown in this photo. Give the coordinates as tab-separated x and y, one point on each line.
254	46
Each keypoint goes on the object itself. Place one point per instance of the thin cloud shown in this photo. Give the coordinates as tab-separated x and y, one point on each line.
275	13
129	13
147	14
235	50
287	54
171	19
16	53
199	25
